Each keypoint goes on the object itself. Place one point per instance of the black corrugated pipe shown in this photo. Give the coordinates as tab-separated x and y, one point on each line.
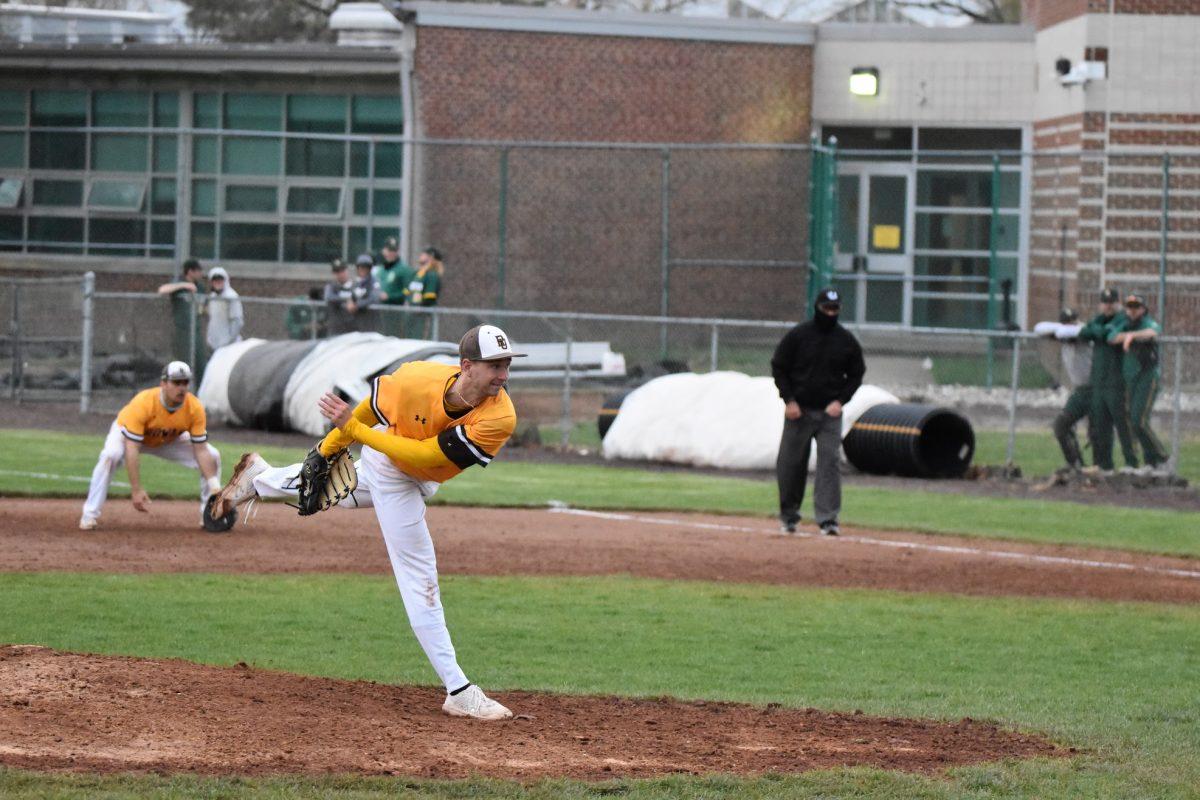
918	441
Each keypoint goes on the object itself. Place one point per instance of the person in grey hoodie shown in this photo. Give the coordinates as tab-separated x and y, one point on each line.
225	318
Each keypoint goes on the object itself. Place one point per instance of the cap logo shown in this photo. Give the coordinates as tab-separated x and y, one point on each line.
501	342
832	295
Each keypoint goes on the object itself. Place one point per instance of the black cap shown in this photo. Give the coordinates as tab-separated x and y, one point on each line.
1068	315
1109	296
391	243
337	264
829	297
1135	300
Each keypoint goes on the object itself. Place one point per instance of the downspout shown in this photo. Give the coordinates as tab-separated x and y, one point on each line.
408	47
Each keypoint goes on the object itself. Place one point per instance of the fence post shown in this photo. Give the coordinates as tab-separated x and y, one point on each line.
435	326
85	356
664	256
712	349
1164	243
192	343
502	229
815	174
993	233
565	423
14	330
1176	403
1010	451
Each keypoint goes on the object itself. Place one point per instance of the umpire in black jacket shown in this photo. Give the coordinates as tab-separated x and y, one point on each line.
818	366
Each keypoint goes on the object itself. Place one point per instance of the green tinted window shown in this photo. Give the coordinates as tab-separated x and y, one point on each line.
946	231
206	112
166	151
204	198
356	241
316	113
204	240
387	160
162	196
122	195
249	241
316	158
166	109
312	243
117	237
117	152
57	150
55	234
120	109
12	108
246	156
962	188
11	237
58	193
162	233
12	150
251	198
362	202
253	112
314	200
376	114
10	192
387	202
59	109
204	154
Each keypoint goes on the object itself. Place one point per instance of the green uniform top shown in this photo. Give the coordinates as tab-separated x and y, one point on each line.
393	281
1142	353
424	288
1106	359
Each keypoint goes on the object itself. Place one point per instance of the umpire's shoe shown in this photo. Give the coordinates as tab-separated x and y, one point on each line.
472	702
240	488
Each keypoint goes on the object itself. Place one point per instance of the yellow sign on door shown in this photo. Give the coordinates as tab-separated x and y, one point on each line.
885	237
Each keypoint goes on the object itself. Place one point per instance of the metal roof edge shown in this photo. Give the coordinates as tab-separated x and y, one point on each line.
897	32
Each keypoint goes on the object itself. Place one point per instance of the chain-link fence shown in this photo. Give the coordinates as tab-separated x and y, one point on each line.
1010	384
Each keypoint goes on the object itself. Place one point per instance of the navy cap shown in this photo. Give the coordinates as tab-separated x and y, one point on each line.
829	297
1109	296
391	243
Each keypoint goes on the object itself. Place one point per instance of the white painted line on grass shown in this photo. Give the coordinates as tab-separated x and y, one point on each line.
53	477
933	548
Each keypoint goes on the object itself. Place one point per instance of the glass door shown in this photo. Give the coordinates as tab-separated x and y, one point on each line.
874	247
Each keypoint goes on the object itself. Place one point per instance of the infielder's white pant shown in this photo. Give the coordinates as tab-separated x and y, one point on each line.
112	456
399	502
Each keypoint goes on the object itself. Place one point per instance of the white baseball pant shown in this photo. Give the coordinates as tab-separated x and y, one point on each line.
112	456
399	502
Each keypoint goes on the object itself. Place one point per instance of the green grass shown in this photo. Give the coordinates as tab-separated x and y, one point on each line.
972	371
1038	454
1117	680
525	484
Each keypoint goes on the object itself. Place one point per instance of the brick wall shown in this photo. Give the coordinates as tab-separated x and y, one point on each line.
584	226
1157	6
1044	13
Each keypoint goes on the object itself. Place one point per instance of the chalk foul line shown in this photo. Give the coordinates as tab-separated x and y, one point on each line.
50	476
868	540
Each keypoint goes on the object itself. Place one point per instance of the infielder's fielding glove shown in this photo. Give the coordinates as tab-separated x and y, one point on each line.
325	482
217	524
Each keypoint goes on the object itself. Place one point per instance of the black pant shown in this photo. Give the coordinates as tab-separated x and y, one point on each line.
791	466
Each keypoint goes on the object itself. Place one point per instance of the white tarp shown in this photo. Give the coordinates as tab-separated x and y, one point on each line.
718	419
214	386
345	362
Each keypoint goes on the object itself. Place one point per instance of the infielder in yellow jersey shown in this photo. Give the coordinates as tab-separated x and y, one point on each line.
420	426
167	421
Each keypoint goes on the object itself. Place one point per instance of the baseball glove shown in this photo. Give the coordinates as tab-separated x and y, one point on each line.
325	482
217	524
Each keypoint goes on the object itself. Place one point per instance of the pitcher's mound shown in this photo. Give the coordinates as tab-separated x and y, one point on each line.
66	711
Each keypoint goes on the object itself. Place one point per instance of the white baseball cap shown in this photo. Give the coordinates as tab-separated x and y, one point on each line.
177	371
486	343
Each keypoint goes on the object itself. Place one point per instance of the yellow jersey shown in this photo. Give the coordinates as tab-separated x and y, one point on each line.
145	419
411	403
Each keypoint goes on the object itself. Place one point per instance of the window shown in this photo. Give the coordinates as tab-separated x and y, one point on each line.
387	160
377	114
117	195
962	188
253	112
206	110
162	196
387	202
162	238
204	198
12	108
117	237
115	152
316	114
58	151
58	193
312	243
249	242
55	234
325	201
166	152
11	237
204	239
263	199
120	109
166	109
246	156
12	149
965	231
59	109
10	192
204	154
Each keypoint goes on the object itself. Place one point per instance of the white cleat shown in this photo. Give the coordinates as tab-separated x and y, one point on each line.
88	523
472	702
240	488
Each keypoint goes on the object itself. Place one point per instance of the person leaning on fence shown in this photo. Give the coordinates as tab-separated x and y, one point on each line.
365	294
187	312
1108	411
167	421
339	295
818	366
423	290
393	276
1138	339
1077	363
225	318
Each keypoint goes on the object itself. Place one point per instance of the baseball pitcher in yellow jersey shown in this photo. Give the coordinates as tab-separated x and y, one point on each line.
167	421
420	426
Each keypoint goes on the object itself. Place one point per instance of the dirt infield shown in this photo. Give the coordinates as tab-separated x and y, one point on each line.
100	714
41	535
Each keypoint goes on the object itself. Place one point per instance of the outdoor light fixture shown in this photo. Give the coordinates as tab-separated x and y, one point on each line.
864	81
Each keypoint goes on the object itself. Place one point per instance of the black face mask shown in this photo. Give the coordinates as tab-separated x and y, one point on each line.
825	321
